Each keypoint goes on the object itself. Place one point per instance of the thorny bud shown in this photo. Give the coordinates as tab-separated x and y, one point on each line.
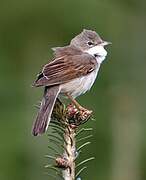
77	117
62	162
71	110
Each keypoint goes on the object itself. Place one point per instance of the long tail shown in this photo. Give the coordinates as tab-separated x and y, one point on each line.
44	114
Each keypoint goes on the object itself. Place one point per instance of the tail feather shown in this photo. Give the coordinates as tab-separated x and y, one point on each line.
44	114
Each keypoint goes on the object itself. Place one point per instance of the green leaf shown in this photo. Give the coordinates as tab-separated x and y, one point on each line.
81	170
84	161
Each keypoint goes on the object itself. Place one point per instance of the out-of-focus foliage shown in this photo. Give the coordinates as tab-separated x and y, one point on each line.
28	29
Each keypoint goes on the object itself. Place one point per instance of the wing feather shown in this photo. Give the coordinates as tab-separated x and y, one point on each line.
66	68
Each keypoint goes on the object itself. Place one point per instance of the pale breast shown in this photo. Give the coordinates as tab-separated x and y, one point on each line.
80	85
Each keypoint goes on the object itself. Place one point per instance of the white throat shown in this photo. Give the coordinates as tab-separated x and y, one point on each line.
99	51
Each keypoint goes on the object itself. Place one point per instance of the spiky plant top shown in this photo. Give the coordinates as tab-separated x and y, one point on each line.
66	141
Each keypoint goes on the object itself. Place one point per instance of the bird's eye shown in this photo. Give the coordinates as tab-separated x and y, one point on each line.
90	43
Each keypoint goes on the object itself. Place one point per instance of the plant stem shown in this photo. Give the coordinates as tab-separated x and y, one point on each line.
70	152
68	121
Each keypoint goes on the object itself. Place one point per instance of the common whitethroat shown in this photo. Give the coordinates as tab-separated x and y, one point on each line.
71	73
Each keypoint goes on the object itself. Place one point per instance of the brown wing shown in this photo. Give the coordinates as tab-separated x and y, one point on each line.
66	68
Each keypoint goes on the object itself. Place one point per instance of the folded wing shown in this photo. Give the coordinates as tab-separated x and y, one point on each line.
66	68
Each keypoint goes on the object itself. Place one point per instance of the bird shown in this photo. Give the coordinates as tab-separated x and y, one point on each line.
71	73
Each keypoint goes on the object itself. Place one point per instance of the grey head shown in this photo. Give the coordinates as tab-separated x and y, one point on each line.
87	39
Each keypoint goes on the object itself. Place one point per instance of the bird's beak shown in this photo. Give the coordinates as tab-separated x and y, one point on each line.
105	43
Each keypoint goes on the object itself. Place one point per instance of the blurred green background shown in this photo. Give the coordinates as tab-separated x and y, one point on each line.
28	29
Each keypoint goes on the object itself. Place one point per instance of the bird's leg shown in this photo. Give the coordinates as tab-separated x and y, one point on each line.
83	111
78	106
